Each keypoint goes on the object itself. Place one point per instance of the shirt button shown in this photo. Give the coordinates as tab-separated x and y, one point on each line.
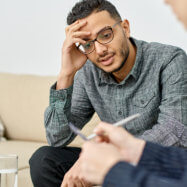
120	86
142	101
120	113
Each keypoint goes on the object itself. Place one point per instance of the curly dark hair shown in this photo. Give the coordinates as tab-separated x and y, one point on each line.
84	8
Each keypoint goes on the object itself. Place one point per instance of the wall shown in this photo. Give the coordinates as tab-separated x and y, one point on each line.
32	31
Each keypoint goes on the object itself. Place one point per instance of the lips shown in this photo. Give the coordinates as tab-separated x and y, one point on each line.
107	60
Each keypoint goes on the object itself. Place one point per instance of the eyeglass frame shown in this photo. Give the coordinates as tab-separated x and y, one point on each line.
93	41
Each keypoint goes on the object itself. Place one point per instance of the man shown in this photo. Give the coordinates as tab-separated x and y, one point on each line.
104	70
156	165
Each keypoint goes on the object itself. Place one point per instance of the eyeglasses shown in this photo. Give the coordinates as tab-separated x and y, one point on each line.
104	36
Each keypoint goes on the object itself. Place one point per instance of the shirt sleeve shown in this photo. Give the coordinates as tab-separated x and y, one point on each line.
71	104
171	126
159	166
123	174
164	161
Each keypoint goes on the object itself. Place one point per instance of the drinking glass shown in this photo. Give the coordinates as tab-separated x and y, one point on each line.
8	170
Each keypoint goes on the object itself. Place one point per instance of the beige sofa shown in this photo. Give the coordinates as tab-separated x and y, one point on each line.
23	99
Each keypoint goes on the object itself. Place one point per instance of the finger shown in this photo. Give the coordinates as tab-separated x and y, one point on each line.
74	23
64	184
75	42
78	40
98	139
69	26
85	183
71	183
81	34
77	26
103	128
78	183
101	138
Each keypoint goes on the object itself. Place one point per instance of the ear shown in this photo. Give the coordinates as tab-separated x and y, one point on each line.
126	27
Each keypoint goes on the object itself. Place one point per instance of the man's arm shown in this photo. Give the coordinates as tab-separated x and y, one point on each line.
171	127
71	104
62	107
158	166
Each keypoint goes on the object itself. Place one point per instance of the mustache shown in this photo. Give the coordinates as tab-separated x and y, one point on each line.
105	56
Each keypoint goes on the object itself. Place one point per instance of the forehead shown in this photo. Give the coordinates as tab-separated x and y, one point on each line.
97	20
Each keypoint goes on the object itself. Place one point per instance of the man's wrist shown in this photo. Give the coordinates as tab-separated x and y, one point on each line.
64	82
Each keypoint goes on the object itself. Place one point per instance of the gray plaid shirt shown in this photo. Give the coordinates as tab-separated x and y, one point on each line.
156	87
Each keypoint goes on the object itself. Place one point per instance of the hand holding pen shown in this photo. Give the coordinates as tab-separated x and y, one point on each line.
119	123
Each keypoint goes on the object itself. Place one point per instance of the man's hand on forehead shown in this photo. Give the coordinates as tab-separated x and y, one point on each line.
72	59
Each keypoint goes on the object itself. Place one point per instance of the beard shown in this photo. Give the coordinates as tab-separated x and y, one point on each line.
123	52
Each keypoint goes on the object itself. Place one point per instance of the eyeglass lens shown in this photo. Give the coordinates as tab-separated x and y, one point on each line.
103	37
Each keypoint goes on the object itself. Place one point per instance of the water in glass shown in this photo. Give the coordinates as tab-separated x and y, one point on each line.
8	170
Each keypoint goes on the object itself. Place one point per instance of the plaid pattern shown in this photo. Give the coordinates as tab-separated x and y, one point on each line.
2	138
156	87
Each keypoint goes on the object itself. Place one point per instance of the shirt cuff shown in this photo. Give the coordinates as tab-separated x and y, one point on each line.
60	95
119	174
149	153
163	161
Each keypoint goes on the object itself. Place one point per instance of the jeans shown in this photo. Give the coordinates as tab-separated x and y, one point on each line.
48	165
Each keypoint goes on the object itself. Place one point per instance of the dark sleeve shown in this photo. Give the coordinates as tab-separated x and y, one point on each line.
164	161
124	174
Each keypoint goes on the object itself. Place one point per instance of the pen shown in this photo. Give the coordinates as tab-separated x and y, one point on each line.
119	123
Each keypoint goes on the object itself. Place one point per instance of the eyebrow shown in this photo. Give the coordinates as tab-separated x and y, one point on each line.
102	29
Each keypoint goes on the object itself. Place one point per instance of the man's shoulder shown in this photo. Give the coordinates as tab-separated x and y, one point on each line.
160	49
158	56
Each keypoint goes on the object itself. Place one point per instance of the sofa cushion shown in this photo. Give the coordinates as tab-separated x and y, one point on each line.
23	100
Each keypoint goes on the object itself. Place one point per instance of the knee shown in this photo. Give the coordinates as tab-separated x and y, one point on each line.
37	156
36	161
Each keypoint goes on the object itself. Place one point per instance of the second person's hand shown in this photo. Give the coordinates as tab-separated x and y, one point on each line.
73	179
130	146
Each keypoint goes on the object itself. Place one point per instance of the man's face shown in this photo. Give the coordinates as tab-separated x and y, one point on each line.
180	9
111	56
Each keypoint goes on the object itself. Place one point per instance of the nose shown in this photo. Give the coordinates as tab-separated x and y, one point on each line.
100	48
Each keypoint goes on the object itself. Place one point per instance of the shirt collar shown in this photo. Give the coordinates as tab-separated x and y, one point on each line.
135	72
